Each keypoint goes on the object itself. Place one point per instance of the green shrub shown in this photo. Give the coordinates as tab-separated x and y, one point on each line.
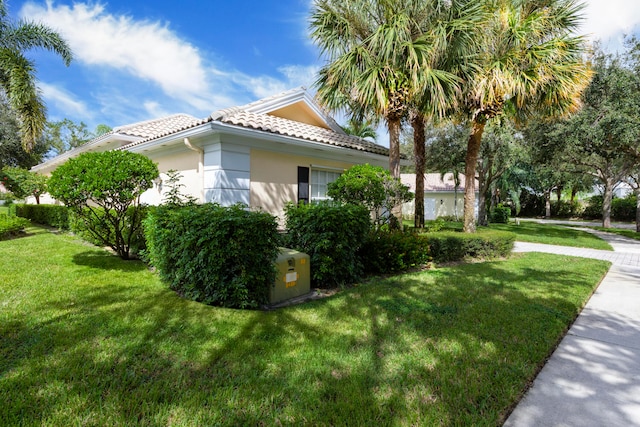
331	235
213	254
566	209
624	209
447	246
593	210
52	215
500	214
387	252
97	229
111	181
11	226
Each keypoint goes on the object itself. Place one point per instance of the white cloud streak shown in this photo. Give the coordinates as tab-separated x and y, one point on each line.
153	53
64	100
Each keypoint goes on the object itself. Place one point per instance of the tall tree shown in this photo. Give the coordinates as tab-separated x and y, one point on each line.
527	61
65	135
603	137
386	57
17	73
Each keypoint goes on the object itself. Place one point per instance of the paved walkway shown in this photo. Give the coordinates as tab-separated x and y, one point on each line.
593	377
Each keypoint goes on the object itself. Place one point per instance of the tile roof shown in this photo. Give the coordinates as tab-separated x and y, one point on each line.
239	116
158	127
433	182
277	125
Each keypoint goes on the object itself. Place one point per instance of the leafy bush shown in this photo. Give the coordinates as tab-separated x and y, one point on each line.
85	226
531	204
593	210
372	187
11	226
102	190
331	235
213	254
566	209
387	252
23	183
51	215
447	246
500	214
624	209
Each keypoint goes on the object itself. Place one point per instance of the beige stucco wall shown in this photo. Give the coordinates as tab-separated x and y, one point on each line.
187	163
274	178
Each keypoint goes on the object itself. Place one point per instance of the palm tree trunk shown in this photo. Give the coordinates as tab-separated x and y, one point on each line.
473	150
417	122
394	147
393	125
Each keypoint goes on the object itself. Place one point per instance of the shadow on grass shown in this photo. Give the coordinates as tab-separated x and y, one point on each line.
450	347
104	260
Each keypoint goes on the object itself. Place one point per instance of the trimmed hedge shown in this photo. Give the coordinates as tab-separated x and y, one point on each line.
447	246
52	215
331	234
213	254
387	252
12	226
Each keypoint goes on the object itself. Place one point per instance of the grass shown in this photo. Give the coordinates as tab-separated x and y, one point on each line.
529	231
632	234
533	232
88	339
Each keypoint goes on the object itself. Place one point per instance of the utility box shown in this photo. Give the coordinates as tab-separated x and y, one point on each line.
293	277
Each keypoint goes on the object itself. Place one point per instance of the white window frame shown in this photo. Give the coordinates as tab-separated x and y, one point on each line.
319	179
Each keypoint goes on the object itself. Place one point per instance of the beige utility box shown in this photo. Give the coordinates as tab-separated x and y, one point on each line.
293	278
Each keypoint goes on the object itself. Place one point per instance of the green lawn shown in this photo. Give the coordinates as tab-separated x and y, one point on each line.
529	231
88	339
632	234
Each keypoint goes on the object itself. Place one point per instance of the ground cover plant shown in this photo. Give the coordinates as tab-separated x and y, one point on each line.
86	338
529	231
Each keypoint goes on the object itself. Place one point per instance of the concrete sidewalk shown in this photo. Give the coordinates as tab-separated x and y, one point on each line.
593	377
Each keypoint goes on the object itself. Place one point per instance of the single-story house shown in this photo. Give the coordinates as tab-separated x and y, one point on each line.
280	149
441	196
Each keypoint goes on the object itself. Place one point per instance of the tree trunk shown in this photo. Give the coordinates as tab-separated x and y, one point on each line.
606	203
394	147
482	200
473	149
394	161
574	192
547	204
417	122
637	191
558	192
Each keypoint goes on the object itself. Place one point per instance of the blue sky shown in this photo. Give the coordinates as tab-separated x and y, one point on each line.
140	60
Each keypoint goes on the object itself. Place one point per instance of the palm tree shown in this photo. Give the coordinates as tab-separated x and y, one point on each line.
361	128
17	73
381	56
528	61
387	58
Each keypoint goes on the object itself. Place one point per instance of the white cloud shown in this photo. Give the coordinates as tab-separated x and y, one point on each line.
147	50
607	19
64	101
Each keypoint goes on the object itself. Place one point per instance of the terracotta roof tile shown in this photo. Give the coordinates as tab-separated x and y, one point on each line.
158	127
278	125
